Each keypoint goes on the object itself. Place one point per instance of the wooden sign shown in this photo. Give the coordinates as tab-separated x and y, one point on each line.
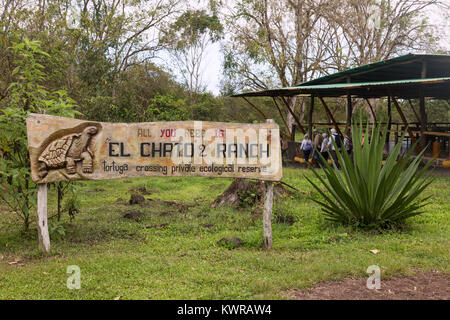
63	149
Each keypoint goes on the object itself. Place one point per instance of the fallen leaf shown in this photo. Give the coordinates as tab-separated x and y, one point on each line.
374	251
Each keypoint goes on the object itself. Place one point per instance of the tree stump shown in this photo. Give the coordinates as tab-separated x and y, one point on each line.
240	186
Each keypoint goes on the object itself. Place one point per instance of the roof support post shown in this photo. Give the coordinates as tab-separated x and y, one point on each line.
255	107
414	110
330	116
405	122
349	110
293	114
265	117
423	115
423	123
371	110
310	116
389	124
282	117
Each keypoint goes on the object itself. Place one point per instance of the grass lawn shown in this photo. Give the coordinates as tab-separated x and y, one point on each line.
121	257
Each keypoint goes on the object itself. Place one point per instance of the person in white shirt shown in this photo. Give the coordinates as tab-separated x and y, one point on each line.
337	139
306	146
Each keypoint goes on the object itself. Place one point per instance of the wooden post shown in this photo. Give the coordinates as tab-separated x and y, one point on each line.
255	107
349	110
414	110
42	226
371	110
282	117
389	124
293	114
423	114
310	117
405	123
267	213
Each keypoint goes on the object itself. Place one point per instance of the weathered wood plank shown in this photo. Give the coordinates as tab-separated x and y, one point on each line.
42	224
63	149
267	215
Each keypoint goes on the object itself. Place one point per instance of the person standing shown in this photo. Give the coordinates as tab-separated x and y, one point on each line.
306	147
348	143
317	144
324	146
338	141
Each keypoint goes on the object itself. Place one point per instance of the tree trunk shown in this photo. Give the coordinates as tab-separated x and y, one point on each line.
289	117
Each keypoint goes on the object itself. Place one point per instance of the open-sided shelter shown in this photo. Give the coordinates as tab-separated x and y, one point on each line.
412	76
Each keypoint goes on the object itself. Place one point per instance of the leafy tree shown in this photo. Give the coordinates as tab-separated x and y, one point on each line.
188	38
167	108
27	95
275	43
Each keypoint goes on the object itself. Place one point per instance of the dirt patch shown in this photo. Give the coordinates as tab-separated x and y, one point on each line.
133	214
285	218
430	285
231	242
136	199
15	261
178	205
142	190
97	190
162	225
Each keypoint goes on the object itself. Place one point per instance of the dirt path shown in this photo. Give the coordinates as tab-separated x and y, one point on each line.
430	285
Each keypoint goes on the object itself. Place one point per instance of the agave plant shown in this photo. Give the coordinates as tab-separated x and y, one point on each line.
368	191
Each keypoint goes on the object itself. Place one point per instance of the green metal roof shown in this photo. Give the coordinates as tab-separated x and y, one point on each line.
408	66
410	88
401	76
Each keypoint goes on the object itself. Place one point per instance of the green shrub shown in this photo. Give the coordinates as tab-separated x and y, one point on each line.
26	94
367	193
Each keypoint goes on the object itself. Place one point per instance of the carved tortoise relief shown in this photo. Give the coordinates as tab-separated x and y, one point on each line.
67	151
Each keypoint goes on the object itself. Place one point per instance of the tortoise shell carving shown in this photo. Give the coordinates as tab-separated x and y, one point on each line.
66	151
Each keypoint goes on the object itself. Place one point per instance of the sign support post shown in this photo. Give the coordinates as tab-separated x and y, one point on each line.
267	213
42	224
